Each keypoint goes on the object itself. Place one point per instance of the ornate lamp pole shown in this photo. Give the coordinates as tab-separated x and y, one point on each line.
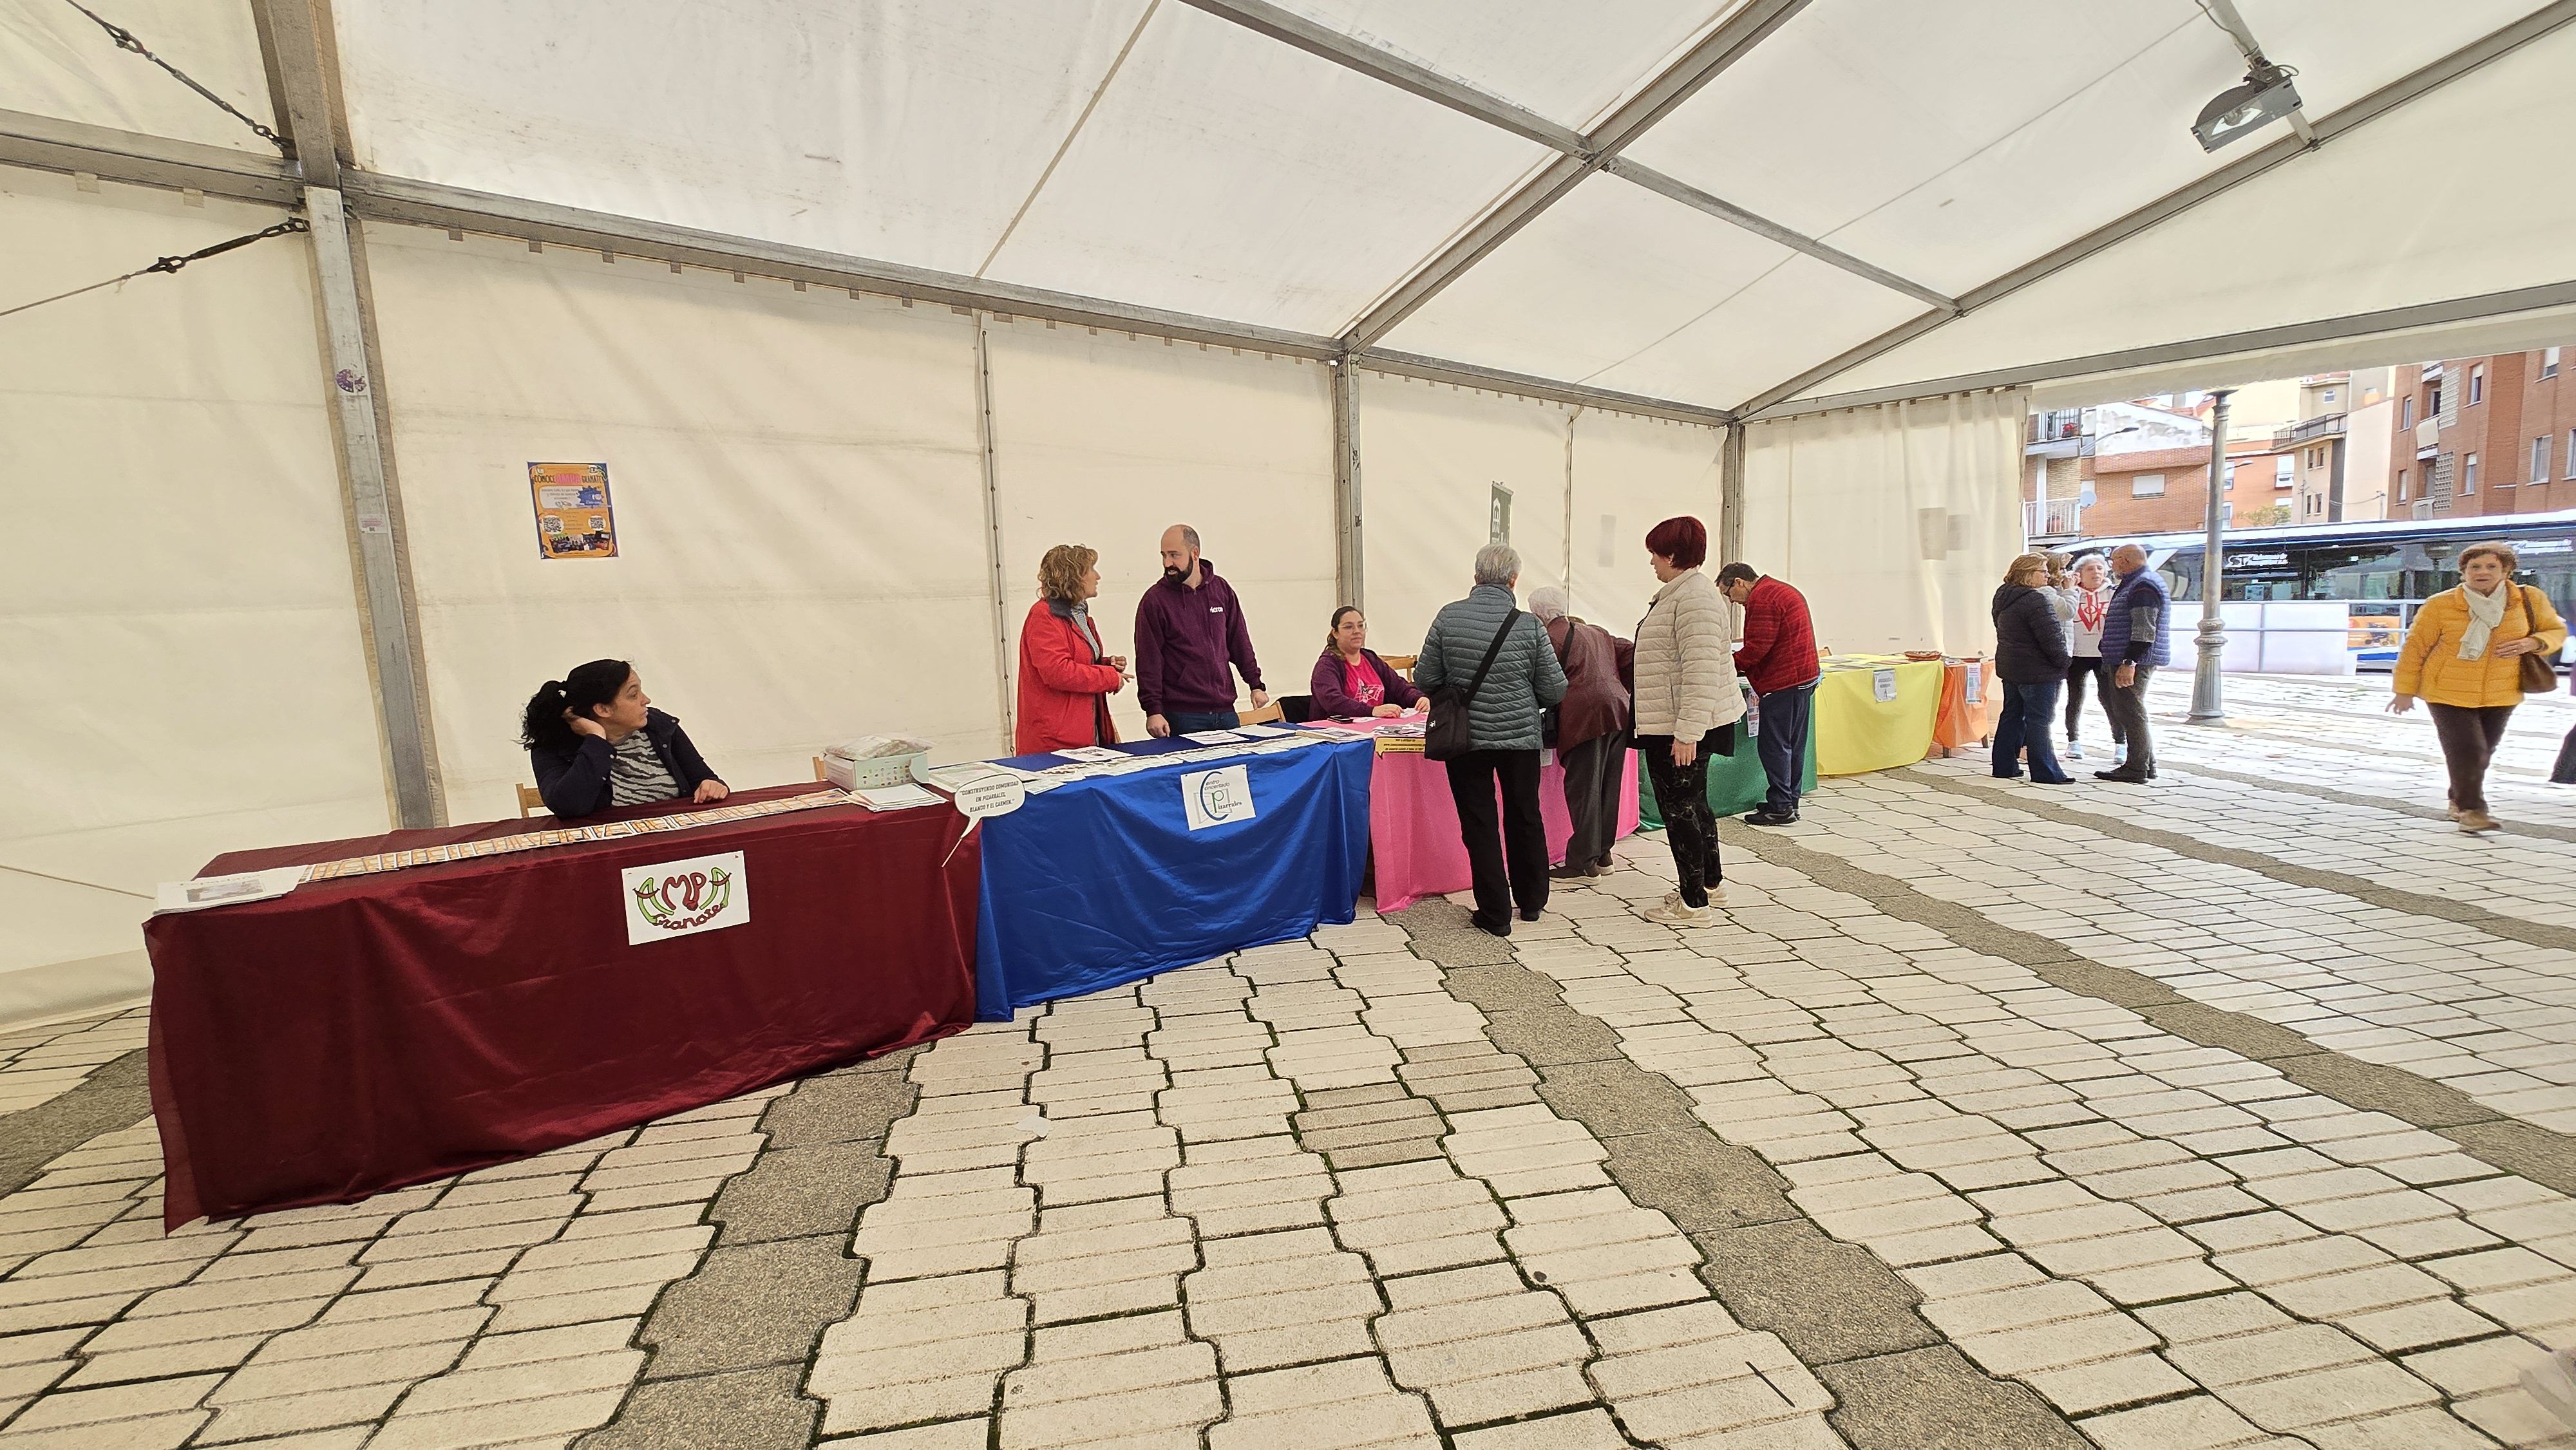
2207	705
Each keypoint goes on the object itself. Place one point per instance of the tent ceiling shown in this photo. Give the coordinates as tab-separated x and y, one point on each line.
1292	165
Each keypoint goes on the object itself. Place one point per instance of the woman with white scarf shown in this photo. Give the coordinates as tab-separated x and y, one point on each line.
2463	657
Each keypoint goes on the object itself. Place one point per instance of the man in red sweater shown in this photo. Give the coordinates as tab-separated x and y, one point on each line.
1776	654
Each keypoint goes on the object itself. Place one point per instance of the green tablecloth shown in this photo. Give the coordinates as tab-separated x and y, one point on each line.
1736	783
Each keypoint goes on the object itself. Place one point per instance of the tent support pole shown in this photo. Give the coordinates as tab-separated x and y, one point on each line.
1002	661
2208	701
366	491
1730	497
1347	556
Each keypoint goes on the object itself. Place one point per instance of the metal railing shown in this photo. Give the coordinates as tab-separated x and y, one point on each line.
2053	518
2324	425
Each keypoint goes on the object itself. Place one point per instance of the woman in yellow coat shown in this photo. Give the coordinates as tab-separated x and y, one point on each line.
2463	656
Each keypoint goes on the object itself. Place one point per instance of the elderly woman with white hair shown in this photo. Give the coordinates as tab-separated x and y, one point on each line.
1499	661
1589	730
2088	590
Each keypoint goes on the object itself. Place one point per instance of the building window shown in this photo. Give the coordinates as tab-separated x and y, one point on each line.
2477	385
2401	485
2469	475
2540	460
2406	412
2571	453
2549	362
2285	471
2147	485
2330	395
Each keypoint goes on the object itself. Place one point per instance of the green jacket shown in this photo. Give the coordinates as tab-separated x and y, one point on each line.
1524	681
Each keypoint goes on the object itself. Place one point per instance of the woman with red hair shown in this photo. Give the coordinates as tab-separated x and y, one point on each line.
1687	703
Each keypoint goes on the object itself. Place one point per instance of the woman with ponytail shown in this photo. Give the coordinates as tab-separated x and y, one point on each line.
596	741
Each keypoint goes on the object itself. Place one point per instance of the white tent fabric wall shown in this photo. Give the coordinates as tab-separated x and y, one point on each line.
2323	235
1106	441
55	61
181	671
1430	458
798	497
1629	475
1896	522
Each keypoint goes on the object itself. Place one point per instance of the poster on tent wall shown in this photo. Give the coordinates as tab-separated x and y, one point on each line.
574	517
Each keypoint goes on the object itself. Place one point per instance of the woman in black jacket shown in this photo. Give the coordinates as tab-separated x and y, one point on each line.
2030	658
596	741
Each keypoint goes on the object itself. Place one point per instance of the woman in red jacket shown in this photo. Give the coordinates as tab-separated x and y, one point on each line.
1066	678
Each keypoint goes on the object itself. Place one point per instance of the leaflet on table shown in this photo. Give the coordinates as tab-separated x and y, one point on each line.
896	797
1263	732
241	886
950	777
1212	737
1091	752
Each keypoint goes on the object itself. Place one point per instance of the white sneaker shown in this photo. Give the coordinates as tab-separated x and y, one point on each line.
1676	912
2074	750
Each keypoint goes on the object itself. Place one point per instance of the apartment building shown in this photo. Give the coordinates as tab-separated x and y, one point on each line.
2483	435
2143	467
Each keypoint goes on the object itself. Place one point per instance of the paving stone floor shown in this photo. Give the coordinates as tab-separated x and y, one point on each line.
2237	1110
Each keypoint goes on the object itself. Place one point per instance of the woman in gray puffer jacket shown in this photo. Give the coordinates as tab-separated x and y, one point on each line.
1687	704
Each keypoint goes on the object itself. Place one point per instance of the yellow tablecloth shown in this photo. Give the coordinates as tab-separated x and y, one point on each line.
1856	732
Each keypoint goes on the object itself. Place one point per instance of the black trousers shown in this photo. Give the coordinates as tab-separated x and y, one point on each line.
1513	866
2469	735
1594	772
1681	794
2127	708
2564	772
2090	670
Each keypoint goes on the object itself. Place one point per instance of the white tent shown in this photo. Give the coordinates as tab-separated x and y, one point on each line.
864	305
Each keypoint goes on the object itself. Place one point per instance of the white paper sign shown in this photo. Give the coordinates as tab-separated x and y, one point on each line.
1976	682
991	795
1883	684
1218	797
676	898
207	891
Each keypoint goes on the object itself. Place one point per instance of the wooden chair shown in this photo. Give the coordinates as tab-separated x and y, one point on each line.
1266	714
1401	664
531	801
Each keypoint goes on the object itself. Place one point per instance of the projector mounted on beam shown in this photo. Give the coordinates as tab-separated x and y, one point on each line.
2266	96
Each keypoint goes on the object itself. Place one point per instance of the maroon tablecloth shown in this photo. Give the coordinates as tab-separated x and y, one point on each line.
367	1032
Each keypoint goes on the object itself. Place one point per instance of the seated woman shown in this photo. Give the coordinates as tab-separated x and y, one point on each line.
596	741
1351	680
1066	678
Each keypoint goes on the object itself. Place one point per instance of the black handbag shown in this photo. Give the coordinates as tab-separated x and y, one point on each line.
2539	671
1448	734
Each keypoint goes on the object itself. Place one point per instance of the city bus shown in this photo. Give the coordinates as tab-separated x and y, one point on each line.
2380	571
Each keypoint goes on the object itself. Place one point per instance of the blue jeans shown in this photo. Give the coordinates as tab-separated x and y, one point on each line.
1182	722
1783	745
2029	711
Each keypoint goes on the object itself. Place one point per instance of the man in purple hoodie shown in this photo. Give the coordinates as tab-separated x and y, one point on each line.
1189	629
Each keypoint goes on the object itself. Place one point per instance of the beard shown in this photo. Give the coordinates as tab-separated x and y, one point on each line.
1175	574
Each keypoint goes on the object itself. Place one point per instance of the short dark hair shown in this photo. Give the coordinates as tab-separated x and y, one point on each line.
1737	573
1683	539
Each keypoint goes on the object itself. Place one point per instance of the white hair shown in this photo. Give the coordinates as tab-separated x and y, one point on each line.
1548	603
1498	564
2089	559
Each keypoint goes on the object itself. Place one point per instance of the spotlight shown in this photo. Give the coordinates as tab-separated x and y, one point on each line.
2266	96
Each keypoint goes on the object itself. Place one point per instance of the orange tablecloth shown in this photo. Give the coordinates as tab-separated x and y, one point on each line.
1963	721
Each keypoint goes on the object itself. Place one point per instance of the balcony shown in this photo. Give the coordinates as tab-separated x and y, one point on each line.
2056	518
2058	433
2324	425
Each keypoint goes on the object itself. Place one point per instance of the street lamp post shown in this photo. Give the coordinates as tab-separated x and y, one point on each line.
2208	707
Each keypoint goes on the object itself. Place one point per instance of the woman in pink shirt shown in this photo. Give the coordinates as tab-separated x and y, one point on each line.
1350	680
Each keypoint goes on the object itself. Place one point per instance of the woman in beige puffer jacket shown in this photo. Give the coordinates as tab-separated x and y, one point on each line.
1687	703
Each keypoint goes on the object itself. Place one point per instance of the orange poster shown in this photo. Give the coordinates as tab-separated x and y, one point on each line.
574	517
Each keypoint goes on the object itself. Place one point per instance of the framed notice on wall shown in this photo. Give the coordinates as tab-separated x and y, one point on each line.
574	517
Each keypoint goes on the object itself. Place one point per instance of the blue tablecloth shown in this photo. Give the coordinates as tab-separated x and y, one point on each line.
1103	881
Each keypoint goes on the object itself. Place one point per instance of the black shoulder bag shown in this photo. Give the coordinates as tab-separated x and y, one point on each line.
1448	735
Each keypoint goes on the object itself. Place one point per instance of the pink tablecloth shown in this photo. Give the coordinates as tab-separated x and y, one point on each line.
1413	825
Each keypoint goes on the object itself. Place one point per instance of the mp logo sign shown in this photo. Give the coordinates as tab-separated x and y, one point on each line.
675	898
1217	797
